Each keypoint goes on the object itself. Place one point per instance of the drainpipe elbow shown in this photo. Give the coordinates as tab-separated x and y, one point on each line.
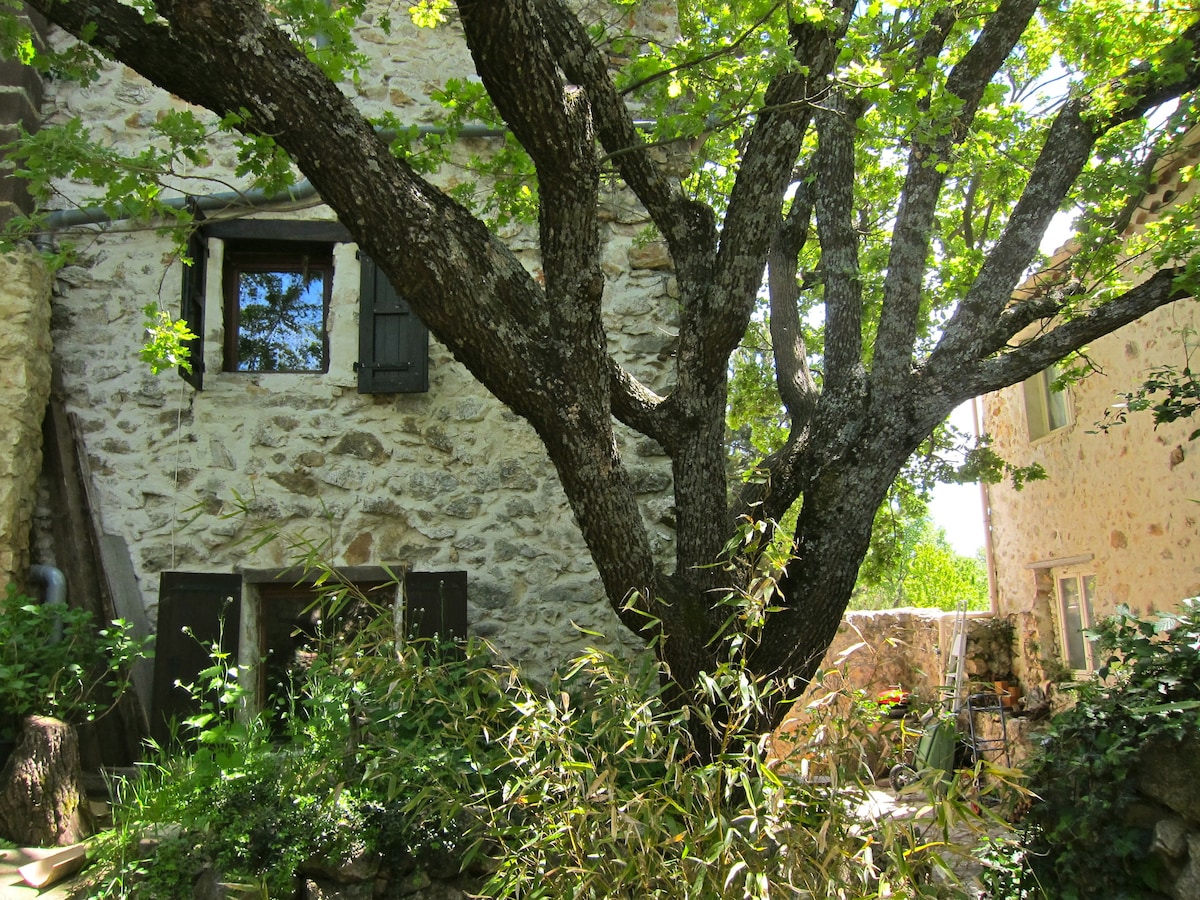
54	584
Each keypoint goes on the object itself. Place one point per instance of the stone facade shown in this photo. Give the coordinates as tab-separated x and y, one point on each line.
1117	515
199	481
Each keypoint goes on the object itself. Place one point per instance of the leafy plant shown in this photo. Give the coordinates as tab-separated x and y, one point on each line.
233	798
54	660
589	786
166	340
1079	840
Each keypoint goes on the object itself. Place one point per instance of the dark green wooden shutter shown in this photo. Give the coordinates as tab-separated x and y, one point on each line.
192	307
393	344
435	605
209	605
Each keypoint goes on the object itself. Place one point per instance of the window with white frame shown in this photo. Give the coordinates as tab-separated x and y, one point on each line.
1076	602
1046	409
277	290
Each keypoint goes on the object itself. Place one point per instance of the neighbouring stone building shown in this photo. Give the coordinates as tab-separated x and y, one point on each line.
1117	522
209	486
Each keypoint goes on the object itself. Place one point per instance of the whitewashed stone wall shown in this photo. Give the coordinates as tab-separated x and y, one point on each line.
445	480
24	390
1123	505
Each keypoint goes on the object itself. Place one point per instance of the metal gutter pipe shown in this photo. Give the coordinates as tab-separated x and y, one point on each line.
252	199
257	199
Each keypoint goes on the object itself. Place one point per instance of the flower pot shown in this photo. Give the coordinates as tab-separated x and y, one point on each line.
1009	693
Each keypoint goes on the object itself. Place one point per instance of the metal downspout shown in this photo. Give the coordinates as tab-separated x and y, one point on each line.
989	552
54	594
253	199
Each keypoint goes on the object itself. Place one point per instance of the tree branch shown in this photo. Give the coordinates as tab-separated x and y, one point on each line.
835	170
1064	154
686	225
772	147
797	388
925	179
1043	351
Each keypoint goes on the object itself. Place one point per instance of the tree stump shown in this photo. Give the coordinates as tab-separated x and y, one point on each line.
42	799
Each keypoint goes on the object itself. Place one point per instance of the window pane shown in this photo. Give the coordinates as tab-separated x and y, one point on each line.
1035	406
1089	618
1046	410
281	321
1057	413
1072	622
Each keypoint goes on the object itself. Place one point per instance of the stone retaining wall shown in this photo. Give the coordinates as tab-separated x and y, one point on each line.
908	648
24	390
878	650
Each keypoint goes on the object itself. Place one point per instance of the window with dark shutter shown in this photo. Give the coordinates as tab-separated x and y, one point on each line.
435	605
393	344
209	606
192	308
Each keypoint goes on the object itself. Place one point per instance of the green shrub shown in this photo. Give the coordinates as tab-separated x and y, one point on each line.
54	661
1080	838
590	786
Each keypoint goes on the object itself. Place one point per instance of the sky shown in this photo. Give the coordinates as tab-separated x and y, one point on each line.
958	508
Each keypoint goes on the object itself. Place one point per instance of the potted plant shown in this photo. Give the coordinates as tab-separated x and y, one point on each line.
894	702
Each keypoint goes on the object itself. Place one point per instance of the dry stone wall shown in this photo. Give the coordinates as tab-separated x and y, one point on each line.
447	480
24	390
880	650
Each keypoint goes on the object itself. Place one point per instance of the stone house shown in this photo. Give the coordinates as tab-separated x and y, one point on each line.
1116	521
358	437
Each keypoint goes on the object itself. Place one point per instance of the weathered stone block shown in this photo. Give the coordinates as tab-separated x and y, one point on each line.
362	445
1169	772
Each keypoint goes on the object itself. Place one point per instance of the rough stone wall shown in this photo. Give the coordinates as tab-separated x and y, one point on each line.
446	480
880	649
1120	505
24	390
877	650
21	91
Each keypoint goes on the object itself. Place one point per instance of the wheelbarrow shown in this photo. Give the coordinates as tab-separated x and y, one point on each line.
936	751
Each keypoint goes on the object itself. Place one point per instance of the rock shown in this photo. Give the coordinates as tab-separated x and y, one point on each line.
315	889
1169	772
1187	885
357	869
209	886
42	798
1170	838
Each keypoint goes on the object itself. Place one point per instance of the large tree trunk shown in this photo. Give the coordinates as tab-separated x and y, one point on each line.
539	344
42	799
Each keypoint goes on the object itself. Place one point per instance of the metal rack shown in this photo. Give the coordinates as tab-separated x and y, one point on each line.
987	702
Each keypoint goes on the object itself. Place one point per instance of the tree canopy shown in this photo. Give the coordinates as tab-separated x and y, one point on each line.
868	185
